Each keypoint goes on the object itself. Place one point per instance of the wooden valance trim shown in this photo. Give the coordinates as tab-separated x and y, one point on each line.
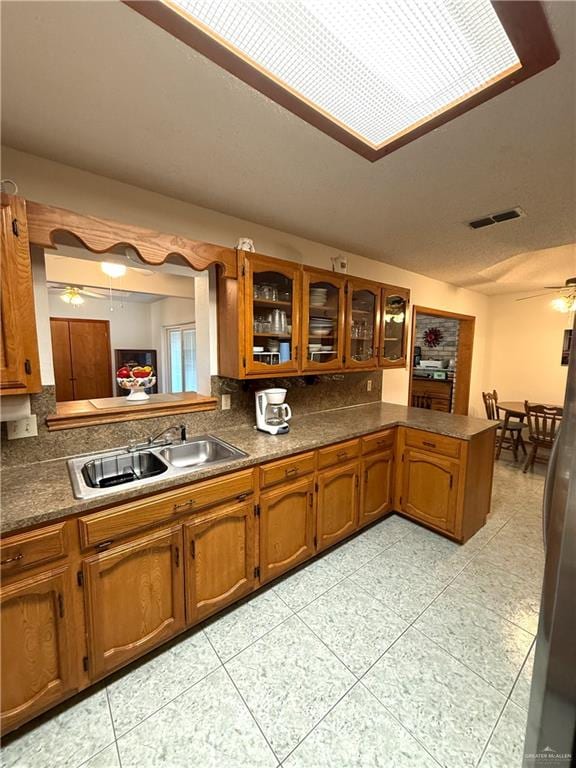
102	235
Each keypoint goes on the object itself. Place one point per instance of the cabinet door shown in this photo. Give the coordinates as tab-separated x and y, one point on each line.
37	645
272	291
134	598
337	504
323	316
430	488
362	324
286	527
395	302
219	559
19	362
376	493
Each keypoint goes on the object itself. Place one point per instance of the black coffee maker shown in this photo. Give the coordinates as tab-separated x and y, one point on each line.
417	356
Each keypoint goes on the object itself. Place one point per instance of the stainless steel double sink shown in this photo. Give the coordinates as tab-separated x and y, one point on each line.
103	473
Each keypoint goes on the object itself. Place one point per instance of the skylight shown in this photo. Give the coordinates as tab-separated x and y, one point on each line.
373	74
377	67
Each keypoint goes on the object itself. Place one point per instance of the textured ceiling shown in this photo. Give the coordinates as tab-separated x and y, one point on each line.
97	86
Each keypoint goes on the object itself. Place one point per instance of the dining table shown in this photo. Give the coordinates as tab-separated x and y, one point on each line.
514	409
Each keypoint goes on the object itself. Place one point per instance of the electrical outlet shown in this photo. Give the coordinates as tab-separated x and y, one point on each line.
26	427
225	403
369	385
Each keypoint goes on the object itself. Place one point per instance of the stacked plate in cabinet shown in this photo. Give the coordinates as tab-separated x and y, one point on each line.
321	326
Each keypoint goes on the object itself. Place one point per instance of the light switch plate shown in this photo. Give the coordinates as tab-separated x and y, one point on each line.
26	427
226	402
369	385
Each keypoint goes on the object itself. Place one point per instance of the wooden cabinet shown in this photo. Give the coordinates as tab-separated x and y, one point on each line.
362	323
272	315
287	521
377	472
37	663
283	319
429	491
393	327
433	394
337	504
220	565
323	320
82	358
134	598
19	361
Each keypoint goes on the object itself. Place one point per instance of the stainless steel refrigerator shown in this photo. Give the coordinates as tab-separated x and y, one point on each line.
551	730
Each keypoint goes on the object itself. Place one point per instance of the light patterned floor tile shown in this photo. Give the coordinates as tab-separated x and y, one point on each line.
446	706
509	553
487	643
289	680
108	758
149	686
353	624
351	555
65	740
405	588
207	726
300	588
238	628
521	692
388	531
506	747
359	733
508	595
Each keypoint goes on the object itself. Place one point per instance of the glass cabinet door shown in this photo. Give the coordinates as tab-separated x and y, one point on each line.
393	334
272	324
323	319
362	324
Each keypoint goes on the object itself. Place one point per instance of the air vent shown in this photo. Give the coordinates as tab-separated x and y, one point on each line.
497	218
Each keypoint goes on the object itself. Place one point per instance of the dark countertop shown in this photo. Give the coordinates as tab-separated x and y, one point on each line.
42	492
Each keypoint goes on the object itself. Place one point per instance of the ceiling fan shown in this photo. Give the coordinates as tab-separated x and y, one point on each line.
566	299
73	294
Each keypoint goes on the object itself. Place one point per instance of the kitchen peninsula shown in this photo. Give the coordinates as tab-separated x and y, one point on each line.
211	541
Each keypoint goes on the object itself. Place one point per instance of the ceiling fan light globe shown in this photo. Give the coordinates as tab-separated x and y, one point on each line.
112	269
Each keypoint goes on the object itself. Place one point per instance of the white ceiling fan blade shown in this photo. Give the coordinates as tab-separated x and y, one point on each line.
536	296
143	272
92	294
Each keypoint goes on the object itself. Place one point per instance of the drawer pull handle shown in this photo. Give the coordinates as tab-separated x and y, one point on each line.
243	496
104	544
342	455
382	442
19	556
293	471
184	506
428	444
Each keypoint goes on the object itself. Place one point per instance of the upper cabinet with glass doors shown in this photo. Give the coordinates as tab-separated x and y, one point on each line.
283	319
323	320
272	302
395	303
362	323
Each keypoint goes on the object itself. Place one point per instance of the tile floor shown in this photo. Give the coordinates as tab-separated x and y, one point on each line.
398	649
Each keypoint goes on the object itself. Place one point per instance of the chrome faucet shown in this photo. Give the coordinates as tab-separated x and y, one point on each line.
157	440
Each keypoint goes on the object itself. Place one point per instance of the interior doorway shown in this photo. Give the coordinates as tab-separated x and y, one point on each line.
82	358
441	360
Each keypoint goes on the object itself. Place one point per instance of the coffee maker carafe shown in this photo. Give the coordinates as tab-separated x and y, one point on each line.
272	413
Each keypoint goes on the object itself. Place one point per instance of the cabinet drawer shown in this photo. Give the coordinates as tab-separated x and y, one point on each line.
287	469
429	441
336	454
111	524
378	442
32	548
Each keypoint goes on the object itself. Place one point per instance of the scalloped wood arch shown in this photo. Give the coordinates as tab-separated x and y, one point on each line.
101	235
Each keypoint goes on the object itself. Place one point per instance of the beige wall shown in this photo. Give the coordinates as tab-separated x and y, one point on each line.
525	348
45	181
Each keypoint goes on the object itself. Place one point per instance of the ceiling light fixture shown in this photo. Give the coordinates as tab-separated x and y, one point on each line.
374	74
113	269
72	296
564	304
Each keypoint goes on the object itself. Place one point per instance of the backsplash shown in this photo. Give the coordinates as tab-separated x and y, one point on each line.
305	395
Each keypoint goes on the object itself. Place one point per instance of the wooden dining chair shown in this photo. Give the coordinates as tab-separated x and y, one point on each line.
543	424
509	432
421	401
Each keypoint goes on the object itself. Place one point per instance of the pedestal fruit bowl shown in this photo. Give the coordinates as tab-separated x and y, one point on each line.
137	380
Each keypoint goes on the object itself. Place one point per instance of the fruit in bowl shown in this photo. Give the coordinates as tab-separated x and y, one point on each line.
136	379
